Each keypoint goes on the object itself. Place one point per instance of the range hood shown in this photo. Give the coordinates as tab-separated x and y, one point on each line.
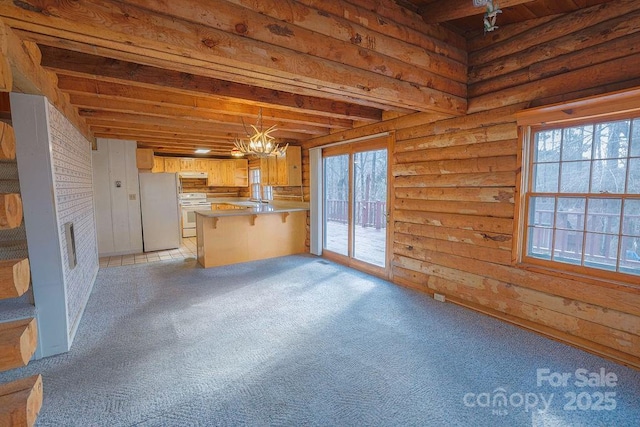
202	175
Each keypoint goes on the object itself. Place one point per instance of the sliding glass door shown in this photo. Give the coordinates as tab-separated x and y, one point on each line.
370	206
355	204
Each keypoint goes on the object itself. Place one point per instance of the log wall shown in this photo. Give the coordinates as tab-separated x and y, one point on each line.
455	181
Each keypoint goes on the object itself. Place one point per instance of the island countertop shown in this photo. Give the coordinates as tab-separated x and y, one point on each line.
250	231
254	208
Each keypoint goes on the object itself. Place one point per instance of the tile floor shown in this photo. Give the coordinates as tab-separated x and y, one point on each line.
187	250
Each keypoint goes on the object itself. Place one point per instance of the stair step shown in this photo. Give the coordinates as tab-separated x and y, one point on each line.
17	308
20	401
13	249
18	342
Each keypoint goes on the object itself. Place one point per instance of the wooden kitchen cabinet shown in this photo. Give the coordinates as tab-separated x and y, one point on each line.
171	164
144	158
158	164
228	173
241	172
282	170
201	165
187	165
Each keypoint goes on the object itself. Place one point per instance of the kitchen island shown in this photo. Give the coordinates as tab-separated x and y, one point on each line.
250	231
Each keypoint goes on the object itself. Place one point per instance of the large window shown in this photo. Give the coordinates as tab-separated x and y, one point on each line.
582	197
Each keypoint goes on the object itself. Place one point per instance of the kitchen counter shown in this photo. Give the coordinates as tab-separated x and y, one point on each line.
254	208
253	231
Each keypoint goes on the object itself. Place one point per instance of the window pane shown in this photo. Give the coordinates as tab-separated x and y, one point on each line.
540	242
604	215
635	141
630	260
577	143
633	185
567	246
541	211
631	220
546	178
336	197
548	146
601	251
570	215
575	177
608	176
611	140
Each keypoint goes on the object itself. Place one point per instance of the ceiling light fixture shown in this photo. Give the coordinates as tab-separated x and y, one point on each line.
261	143
202	151
490	15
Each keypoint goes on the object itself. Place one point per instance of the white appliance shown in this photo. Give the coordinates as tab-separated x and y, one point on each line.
160	211
189	204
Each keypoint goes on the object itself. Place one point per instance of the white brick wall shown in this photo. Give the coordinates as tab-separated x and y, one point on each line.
72	179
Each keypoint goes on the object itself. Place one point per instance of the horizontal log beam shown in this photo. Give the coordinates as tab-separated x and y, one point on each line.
15	277
125	72
10	211
21	401
437	12
441	73
29	77
229	130
130	90
18	342
7	142
165	110
183	42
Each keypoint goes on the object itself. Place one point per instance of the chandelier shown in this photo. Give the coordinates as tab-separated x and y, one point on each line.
260	144
490	15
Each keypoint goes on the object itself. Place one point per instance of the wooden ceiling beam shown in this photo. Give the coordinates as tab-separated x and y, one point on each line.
200	70
129	90
21	65
88	65
442	73
107	103
135	30
180	125
437	12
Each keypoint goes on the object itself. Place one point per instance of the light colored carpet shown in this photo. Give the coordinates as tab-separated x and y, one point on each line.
302	341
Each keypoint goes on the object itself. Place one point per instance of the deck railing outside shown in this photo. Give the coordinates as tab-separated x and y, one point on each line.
370	213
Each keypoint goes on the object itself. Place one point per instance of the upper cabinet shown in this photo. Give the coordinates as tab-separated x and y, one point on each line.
282	170
144	158
172	164
220	172
158	164
228	173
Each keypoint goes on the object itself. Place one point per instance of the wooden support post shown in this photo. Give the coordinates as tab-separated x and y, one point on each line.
15	276
18	342
10	211
20	401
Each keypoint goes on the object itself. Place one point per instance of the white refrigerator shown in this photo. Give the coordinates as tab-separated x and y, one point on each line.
160	211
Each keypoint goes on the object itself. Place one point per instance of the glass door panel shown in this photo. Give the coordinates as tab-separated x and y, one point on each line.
370	206
336	206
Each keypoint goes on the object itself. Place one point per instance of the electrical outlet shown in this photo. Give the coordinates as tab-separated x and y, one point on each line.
132	196
439	297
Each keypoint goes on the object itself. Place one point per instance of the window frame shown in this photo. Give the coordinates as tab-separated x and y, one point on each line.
593	110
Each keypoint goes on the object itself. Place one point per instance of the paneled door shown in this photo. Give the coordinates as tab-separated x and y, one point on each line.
355	225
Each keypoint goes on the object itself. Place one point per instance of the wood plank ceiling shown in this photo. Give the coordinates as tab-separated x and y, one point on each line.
176	76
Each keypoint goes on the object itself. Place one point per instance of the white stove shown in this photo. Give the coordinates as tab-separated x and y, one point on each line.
189	203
